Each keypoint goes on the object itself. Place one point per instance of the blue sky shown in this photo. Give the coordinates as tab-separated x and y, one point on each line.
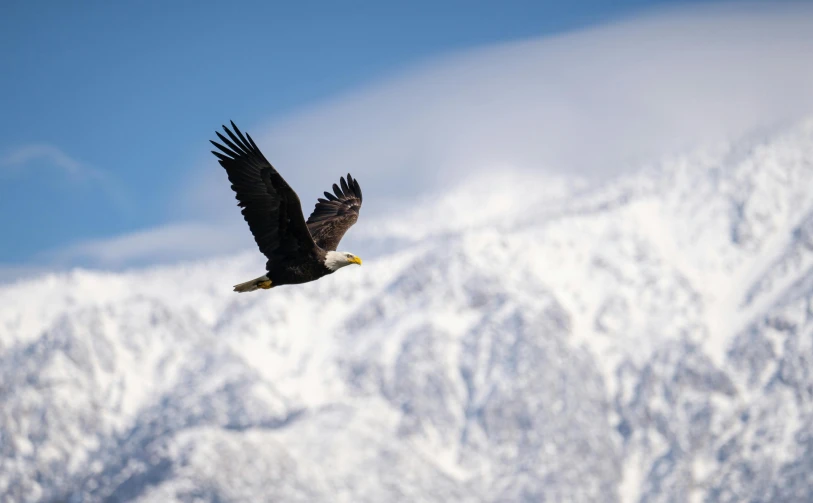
130	92
108	106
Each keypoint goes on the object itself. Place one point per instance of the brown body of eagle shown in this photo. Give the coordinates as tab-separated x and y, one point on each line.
297	251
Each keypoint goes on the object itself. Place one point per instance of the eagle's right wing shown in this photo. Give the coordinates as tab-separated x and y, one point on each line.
333	216
270	206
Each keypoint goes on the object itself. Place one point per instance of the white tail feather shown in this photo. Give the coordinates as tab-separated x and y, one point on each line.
250	286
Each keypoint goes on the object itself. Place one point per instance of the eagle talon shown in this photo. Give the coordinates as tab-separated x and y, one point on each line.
265	285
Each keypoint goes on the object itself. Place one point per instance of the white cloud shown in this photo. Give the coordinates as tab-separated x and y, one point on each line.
172	242
25	158
591	103
29	153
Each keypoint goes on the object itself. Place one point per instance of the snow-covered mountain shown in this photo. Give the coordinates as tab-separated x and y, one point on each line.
648	339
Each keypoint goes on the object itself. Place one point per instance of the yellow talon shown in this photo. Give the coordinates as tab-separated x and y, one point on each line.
265	285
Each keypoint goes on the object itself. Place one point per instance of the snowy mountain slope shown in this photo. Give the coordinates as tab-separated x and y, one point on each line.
646	339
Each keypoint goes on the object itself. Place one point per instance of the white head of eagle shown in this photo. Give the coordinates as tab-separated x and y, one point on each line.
335	260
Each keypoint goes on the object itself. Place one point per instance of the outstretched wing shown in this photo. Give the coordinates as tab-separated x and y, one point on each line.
333	216
270	206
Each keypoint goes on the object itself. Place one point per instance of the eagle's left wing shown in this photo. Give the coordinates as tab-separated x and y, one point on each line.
333	216
270	206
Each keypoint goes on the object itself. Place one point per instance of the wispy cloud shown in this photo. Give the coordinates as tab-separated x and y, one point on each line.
21	160
177	241
595	102
27	154
590	103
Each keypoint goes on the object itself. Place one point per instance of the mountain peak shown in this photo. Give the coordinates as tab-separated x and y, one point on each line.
518	339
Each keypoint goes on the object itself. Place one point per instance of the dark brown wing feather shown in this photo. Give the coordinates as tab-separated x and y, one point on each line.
333	216
270	206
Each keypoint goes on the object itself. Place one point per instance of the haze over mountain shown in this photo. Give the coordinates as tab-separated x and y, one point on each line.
643	339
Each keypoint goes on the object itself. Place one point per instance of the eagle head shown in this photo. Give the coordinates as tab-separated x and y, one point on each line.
335	260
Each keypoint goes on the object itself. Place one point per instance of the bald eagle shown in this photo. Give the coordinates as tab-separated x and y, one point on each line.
297	251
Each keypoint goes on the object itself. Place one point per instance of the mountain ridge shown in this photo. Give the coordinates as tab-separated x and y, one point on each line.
642	340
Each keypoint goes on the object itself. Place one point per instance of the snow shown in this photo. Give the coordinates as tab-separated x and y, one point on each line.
647	339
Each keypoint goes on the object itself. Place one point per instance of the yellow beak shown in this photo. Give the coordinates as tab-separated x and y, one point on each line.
356	260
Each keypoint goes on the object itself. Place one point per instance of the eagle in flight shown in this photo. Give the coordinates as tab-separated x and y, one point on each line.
297	251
